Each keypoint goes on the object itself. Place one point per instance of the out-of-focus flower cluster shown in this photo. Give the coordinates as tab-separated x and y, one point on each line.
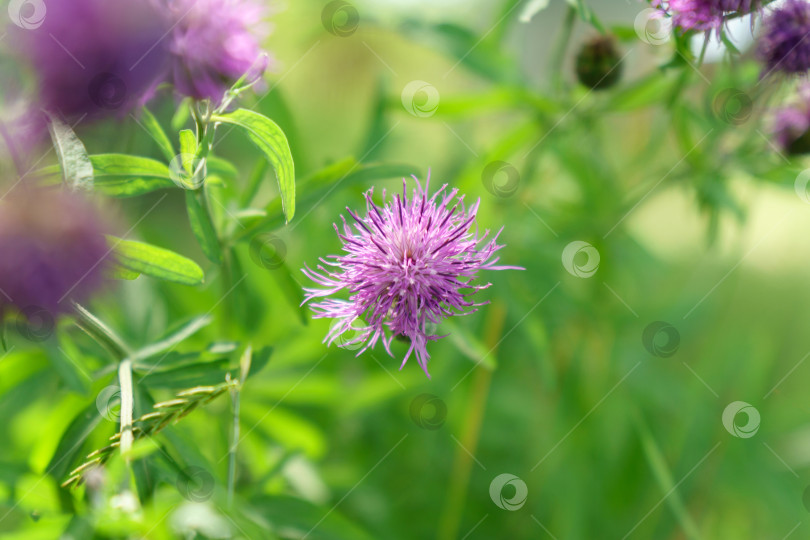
53	249
92	57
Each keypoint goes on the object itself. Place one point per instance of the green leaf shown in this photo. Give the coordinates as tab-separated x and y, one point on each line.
71	443
156	262
187	376
343	173
532	8
154	129
188	149
298	518
174	338
77	170
647	91
201	225
586	14
121	175
470	345
116	271
270	139
222	167
182	114
100	332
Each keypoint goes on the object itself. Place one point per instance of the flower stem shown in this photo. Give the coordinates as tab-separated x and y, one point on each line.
127	404
558	57
462	465
234	443
107	338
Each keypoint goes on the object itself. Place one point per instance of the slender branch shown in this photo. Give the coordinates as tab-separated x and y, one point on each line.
558	57
462	464
234	443
163	414
127	404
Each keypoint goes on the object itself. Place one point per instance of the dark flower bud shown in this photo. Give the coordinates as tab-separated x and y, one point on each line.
598	63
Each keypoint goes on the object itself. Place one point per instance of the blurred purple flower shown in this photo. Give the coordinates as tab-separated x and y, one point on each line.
214	43
407	266
785	41
791	126
52	248
704	14
94	56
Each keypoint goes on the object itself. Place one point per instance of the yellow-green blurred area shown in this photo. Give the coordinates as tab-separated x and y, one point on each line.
700	231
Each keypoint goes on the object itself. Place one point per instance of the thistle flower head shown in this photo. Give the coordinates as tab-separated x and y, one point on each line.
53	249
705	15
406	266
791	124
785	41
93	56
214	43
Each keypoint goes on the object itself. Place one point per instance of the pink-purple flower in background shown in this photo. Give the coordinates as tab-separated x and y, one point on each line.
791	125
406	266
53	249
705	14
215	42
785	43
93	56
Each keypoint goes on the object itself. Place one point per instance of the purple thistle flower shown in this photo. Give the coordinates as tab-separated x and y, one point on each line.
407	266
214	43
791	124
94	56
785	41
53	248
704	14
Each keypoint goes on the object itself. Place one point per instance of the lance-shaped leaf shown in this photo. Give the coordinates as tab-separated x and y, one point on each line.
156	262
121	175
77	170
270	139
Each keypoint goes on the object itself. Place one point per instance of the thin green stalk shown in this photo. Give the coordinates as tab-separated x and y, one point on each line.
107	338
462	464
244	370
127	404
234	443
560	48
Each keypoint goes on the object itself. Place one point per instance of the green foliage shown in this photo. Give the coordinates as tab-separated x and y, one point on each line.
245	425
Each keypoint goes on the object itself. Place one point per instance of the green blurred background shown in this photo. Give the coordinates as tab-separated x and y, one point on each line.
696	223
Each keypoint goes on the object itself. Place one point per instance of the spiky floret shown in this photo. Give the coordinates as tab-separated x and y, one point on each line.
406	266
705	15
